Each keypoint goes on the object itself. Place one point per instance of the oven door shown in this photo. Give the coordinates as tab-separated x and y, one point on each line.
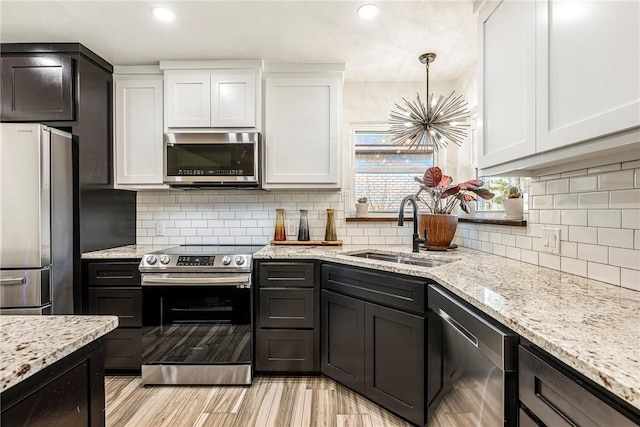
193	320
212	159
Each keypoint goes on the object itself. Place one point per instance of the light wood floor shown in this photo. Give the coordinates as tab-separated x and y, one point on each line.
270	401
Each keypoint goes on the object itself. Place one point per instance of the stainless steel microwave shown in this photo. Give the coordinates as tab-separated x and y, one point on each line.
209	159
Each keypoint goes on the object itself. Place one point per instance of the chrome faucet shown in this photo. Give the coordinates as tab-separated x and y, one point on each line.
416	237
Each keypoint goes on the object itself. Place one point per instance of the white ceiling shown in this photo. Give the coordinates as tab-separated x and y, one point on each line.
383	49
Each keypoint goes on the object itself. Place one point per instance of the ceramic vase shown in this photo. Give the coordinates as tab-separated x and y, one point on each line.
362	209
441	228
513	208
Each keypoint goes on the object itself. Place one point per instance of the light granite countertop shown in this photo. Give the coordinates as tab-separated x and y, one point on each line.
125	252
591	326
29	344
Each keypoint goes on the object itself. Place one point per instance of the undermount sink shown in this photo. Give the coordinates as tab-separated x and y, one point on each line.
400	259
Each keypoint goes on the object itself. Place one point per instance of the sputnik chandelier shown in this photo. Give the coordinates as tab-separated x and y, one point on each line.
421	127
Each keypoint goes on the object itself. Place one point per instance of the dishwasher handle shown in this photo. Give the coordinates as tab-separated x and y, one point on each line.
498	343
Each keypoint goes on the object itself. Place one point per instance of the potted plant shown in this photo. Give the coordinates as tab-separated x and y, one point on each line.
362	207
442	197
513	204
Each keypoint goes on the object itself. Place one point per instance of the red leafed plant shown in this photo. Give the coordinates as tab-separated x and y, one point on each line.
443	195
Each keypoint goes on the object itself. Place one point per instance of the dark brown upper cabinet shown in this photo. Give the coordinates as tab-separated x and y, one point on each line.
37	88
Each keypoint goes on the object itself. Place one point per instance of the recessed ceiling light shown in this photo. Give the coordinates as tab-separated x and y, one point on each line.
163	14
368	11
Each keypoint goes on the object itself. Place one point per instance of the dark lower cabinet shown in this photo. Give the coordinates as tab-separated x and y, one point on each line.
287	317
394	361
343	340
558	396
376	351
69	393
114	289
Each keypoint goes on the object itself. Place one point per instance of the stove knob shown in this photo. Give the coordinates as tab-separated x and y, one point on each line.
151	259
226	260
239	260
164	259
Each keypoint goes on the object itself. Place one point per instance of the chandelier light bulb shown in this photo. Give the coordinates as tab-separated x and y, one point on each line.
368	11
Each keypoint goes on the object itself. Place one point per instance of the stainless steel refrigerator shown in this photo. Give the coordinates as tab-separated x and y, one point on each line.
36	216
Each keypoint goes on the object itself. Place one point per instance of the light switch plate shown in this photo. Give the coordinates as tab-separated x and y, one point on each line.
160	228
551	240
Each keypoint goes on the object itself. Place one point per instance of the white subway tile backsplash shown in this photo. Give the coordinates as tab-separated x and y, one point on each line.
605	218
627	258
593	253
615	180
636	239
583	234
578	172
549	261
631	218
573	266
569	249
573	217
524	242
499	250
530	257
513	253
630	279
631	165
565	201
550	216
542	202
621	238
508	240
604	273
605	168
583	183
537	188
558	186
598	200
625	199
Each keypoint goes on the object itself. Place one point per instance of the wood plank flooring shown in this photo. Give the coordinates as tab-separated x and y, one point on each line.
270	401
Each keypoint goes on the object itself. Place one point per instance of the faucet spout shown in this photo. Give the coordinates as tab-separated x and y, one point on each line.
416	237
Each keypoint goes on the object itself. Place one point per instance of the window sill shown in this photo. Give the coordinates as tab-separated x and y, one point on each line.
475	220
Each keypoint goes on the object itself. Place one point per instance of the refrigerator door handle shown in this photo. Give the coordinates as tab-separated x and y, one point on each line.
13	280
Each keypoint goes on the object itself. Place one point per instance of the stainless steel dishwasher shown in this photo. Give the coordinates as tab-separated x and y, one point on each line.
471	366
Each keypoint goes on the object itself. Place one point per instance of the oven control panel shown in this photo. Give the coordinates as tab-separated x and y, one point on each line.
196	261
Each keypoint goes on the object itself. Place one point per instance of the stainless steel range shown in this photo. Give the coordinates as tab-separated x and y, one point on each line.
196	315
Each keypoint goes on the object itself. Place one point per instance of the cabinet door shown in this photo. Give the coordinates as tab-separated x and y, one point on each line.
188	100
587	70
38	88
302	130
124	303
123	349
286	308
506	71
233	99
342	354
138	131
286	350
394	361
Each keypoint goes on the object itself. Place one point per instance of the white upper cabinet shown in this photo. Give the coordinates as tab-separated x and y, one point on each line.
506	69
138	131
212	94
233	100
558	83
188	100
302	124
588	70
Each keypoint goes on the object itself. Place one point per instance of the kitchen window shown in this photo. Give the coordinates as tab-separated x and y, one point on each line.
383	172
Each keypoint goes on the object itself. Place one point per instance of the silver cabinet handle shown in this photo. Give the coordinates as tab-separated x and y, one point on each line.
13	281
159	281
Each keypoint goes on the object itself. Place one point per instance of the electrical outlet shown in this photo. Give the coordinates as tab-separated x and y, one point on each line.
551	240
159	228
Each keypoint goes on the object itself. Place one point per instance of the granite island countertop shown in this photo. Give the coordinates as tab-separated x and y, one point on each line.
28	344
591	326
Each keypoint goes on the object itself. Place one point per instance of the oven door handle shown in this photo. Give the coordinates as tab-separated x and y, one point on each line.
244	282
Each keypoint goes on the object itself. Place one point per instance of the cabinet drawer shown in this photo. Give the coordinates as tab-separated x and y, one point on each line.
286	274
286	351
124	303
123	349
286	308
114	274
561	399
395	291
